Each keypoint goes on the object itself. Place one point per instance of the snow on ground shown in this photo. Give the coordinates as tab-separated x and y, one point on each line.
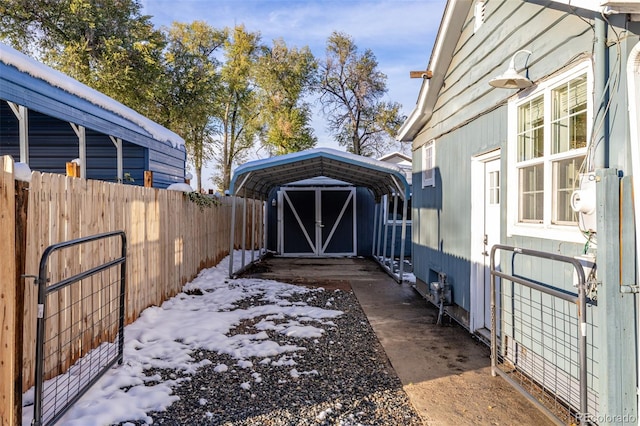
201	317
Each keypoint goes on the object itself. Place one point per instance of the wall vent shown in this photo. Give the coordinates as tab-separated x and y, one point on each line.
478	15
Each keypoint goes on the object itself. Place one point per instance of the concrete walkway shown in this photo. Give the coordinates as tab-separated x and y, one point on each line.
443	369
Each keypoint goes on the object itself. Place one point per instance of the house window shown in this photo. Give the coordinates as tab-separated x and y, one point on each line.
550	134
494	188
428	164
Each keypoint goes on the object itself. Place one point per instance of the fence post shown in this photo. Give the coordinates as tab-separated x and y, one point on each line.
73	169
8	311
22	202
148	179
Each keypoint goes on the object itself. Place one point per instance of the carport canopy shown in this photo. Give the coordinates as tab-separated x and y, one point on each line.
255	179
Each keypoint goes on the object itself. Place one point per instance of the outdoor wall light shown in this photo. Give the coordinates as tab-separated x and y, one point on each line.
511	79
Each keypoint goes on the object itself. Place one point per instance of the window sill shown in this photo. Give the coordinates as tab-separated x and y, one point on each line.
548	232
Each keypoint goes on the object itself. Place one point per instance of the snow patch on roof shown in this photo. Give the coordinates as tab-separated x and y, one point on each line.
55	78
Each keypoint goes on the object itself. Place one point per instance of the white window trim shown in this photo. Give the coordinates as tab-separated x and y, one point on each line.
546	230
431	181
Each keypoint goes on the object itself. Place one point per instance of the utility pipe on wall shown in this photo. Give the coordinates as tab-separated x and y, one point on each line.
600	129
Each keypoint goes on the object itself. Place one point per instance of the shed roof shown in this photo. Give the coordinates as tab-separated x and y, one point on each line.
30	83
258	177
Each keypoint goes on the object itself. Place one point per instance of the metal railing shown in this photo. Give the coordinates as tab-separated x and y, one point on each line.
81	335
539	344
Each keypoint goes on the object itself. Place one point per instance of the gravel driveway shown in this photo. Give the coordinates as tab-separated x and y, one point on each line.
342	377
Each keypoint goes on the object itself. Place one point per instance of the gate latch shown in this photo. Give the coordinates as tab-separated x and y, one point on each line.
34	277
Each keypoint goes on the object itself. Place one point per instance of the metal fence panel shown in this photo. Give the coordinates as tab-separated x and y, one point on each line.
543	341
80	326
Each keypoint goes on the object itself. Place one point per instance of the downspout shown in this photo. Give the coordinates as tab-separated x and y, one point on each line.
600	137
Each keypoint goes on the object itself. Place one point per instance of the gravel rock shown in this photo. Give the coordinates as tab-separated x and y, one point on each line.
342	377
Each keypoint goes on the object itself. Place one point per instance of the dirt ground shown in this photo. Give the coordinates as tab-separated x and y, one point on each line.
444	369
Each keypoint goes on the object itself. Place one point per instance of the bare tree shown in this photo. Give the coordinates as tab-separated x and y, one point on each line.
351	89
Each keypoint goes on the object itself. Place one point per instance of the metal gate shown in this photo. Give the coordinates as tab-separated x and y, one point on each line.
544	340
317	221
80	326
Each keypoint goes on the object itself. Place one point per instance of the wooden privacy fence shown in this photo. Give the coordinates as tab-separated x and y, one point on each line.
169	238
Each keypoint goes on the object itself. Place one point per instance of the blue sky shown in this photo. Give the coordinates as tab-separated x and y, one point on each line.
400	33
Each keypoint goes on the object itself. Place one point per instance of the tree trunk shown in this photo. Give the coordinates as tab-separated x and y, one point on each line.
199	177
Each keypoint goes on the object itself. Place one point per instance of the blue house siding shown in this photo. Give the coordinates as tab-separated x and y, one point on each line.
464	116
441	222
470	117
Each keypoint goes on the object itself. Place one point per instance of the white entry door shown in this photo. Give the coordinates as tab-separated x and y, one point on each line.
486	197
492	200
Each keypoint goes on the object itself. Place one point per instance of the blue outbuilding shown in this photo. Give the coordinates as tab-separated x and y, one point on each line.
328	203
48	119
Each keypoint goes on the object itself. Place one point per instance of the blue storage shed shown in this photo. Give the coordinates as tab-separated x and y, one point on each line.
48	119
325	202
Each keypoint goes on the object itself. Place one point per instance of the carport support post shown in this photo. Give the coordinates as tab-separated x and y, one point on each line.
403	236
82	148
22	114
253	229
117	142
379	225
375	226
386	231
264	228
233	235
244	226
392	255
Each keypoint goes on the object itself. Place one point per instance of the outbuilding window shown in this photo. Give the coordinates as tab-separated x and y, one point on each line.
549	135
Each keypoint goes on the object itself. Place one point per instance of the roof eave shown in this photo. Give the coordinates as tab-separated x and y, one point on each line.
453	19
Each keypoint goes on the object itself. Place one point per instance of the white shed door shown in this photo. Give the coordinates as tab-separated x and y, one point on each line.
317	222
